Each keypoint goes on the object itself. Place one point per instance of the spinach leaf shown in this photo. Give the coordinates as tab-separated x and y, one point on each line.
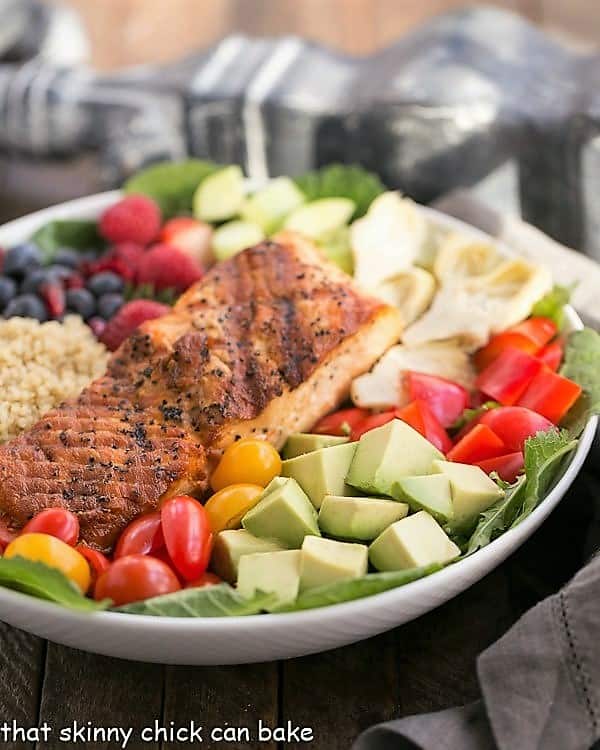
345	591
497	518
77	234
171	184
552	304
582	364
43	582
221	600
342	181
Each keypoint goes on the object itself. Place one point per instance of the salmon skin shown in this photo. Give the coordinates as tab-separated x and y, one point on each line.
266	344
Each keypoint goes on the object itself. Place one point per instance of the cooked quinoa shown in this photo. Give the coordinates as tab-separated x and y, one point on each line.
41	364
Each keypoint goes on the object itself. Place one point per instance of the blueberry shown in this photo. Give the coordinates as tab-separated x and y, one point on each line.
26	306
8	289
66	256
59	271
20	259
108	304
34	280
82	302
105	282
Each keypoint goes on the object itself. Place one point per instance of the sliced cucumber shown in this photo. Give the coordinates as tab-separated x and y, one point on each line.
269	207
336	246
220	196
231	238
319	217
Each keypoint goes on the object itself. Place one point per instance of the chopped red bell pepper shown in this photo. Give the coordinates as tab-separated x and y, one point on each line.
550	395
507	377
478	444
514	424
341	422
539	329
552	354
370	422
508	467
499	343
446	399
420	416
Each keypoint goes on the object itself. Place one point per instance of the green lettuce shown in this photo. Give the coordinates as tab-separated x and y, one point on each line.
356	588
582	364
44	582
76	234
221	600
342	181
171	184
552	305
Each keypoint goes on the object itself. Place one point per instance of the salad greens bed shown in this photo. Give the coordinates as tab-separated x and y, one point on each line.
546	455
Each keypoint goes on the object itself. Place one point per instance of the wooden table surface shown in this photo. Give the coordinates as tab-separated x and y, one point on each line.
425	665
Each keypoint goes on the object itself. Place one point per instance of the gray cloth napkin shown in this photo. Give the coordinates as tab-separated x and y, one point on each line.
540	683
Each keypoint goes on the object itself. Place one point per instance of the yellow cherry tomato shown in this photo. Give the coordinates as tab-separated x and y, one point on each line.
247	461
227	506
55	554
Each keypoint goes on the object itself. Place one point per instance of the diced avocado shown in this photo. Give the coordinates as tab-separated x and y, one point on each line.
430	493
361	518
304	442
220	196
412	542
322	472
336	246
231	545
317	218
271	572
388	453
233	237
326	561
269	206
284	514
472	492
274	484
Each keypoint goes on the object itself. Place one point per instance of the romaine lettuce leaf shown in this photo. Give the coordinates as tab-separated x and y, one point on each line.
221	600
346	591
582	364
44	582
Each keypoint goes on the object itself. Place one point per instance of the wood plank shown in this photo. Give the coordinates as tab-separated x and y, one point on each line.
220	697
340	693
437	652
21	674
106	692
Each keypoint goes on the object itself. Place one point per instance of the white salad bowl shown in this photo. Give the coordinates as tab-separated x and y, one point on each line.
256	638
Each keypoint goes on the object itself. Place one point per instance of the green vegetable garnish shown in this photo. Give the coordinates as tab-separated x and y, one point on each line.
544	456
71	233
552	304
357	588
582	364
469	415
221	600
342	181
171	184
44	582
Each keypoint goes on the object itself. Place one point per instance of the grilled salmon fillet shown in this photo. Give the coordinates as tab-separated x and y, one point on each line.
267	343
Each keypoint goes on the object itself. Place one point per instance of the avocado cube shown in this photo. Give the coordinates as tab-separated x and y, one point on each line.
412	542
472	492
388	453
271	572
430	493
360	518
303	442
326	561
322	472
285	514
229	546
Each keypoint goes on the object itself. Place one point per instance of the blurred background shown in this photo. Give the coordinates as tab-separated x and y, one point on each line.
125	32
502	98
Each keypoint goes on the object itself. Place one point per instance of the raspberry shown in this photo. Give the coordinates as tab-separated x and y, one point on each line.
134	218
129	317
122	259
166	267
